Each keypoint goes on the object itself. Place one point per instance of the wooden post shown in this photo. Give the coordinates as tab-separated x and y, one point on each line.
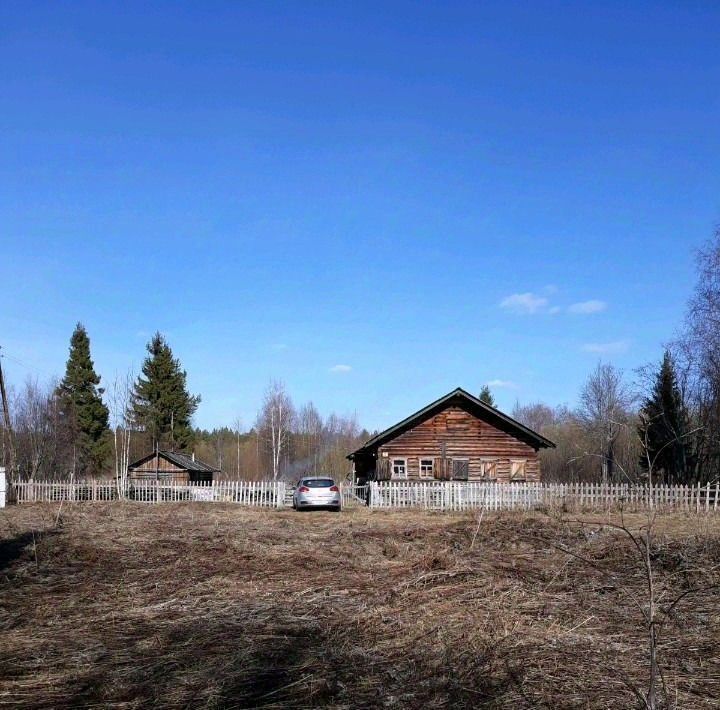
375	499
3	487
707	496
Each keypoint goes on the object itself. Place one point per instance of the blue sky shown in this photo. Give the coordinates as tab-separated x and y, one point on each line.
373	202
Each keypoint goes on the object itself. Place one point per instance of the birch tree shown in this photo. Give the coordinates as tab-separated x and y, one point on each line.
603	412
275	423
697	355
120	400
237	430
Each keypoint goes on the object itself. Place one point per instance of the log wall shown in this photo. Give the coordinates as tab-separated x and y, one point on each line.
161	468
456	434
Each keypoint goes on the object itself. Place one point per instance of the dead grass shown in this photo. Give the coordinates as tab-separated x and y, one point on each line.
128	606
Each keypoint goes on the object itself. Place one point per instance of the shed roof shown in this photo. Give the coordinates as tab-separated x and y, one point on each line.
181	460
458	397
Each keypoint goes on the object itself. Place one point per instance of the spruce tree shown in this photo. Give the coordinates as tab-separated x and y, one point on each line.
664	427
80	403
486	396
161	403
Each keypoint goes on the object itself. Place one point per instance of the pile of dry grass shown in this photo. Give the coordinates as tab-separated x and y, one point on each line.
125	605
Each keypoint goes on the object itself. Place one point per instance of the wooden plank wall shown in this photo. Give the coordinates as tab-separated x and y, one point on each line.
463	436
164	469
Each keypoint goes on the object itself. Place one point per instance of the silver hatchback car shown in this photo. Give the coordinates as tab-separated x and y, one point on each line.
317	492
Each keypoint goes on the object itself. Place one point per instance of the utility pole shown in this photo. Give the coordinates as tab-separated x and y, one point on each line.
6	418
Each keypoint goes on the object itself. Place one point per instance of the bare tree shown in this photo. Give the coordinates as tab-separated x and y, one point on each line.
120	405
604	409
237	430
537	415
37	429
697	354
7	429
220	436
275	423
310	435
341	435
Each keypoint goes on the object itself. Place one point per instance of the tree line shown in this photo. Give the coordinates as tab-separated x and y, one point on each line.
76	428
666	420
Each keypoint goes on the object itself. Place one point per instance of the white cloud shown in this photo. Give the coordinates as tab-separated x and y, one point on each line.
502	383
524	303
614	347
340	368
588	307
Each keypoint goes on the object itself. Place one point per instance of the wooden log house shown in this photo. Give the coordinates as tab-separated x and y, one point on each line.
459	438
172	467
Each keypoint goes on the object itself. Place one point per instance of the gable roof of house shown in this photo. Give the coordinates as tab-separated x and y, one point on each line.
476	407
181	460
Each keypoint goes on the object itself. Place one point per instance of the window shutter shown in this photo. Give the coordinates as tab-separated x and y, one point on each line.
517	469
461	470
489	469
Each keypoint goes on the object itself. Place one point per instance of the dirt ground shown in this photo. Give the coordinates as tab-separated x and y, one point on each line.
207	605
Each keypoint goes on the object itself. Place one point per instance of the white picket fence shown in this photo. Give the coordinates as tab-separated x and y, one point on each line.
457	495
430	495
268	494
354	495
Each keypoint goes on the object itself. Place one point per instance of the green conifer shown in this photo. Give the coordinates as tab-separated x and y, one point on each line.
486	396
81	406
161	403
664	427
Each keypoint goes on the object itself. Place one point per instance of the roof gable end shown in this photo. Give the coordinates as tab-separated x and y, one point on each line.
182	461
474	406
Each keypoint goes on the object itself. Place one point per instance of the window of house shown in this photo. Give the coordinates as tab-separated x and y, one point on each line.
399	468
488	468
427	468
517	469
460	469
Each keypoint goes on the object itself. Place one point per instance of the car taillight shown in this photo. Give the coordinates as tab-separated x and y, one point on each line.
334	489
303	489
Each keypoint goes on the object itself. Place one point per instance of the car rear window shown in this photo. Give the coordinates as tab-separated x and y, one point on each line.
319	483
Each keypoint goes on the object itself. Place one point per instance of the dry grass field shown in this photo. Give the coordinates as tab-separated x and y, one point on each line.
206	605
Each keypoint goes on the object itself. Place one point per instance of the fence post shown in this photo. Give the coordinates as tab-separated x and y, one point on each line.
280	494
372	497
3	487
707	496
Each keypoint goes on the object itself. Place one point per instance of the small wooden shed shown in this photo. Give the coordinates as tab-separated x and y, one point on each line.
171	466
458	437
